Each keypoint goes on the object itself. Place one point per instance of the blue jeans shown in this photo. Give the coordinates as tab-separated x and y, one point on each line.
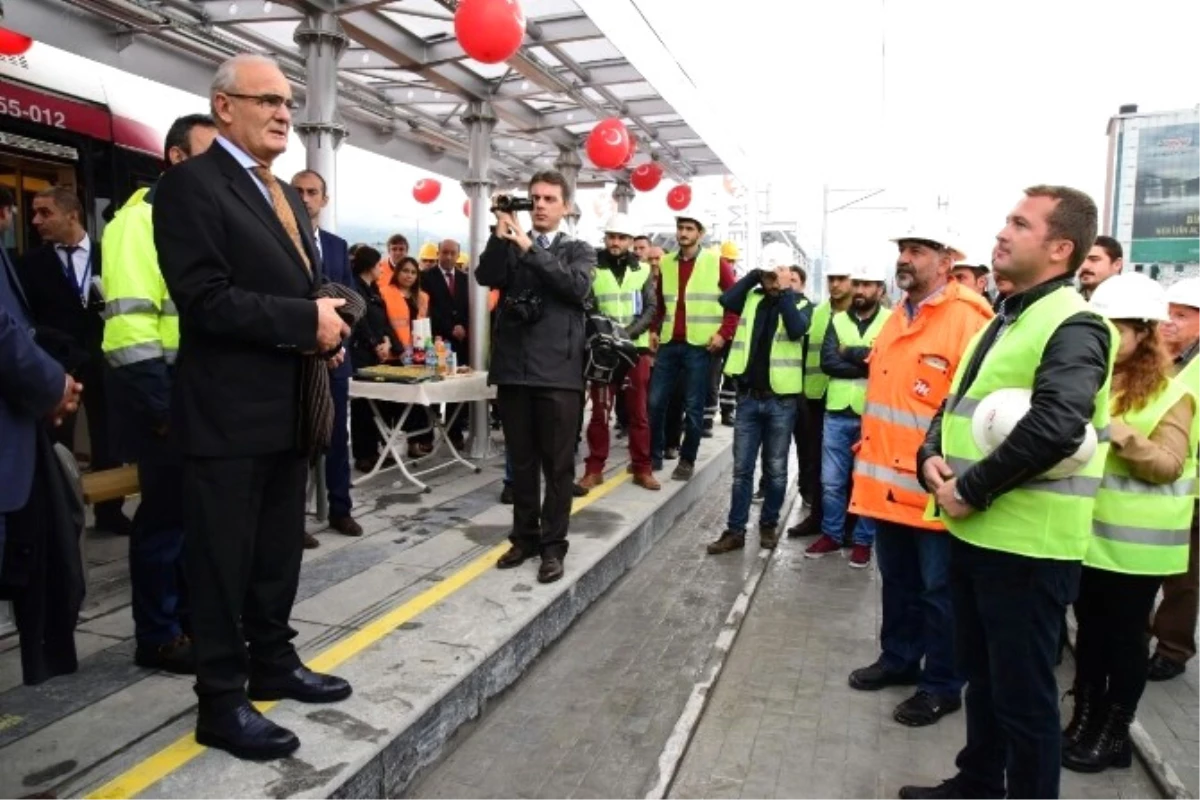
672	360
769	423
507	467
156	549
1008	616
918	618
841	432
337	459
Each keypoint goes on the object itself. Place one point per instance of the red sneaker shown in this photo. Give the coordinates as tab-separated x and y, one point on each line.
860	556
823	546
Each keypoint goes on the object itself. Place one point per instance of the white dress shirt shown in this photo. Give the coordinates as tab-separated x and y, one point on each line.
80	263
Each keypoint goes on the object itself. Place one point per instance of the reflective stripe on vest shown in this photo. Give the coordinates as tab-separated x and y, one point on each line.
702	296
786	357
843	393
1142	528
1040	518
816	381
622	301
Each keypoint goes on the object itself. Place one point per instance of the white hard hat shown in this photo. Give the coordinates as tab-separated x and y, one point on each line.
777	254
930	230
832	270
999	412
1131	295
690	218
619	223
1184	292
868	272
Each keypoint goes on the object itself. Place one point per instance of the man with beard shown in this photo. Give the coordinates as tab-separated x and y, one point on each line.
1105	259
973	276
844	355
839	294
918	352
622	289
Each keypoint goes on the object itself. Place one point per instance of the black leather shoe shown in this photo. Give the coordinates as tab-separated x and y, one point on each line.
1163	668
956	787
301	684
924	709
875	677
346	526
506	494
245	733
550	570
513	557
809	526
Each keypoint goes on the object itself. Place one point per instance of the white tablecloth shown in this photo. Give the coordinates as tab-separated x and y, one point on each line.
459	389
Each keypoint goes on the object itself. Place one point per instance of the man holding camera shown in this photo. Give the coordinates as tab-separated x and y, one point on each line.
537	362
766	359
623	290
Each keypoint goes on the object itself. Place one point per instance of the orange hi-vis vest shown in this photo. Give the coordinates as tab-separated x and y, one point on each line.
398	312
912	365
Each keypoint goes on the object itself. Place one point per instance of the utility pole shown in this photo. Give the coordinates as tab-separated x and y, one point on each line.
867	194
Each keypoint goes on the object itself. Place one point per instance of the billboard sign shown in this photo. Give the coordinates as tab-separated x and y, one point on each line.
1166	209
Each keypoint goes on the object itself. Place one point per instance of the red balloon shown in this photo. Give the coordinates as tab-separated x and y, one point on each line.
608	144
467	208
489	31
646	177
426	190
13	43
680	197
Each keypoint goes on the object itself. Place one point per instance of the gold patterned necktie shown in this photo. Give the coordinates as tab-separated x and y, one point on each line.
283	210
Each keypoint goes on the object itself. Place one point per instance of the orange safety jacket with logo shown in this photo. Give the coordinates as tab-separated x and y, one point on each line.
398	311
912	365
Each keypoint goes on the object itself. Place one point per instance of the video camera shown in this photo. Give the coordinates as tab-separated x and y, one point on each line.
511	204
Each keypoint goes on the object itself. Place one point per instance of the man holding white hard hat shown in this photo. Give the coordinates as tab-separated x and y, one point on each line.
1019	539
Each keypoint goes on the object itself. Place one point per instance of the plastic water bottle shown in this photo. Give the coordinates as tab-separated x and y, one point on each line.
430	355
406	358
452	363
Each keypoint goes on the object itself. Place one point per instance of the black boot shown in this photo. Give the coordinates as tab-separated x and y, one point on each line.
1087	715
1107	746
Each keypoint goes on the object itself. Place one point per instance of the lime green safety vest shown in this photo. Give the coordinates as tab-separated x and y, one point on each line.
786	357
1042	518
703	294
851	393
140	320
815	381
1143	528
622	301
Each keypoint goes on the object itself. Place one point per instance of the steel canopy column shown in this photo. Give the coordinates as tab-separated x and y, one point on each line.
623	194
568	164
480	121
322	42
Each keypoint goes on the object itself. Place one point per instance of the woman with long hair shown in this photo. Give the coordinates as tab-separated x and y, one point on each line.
405	302
372	342
1140	527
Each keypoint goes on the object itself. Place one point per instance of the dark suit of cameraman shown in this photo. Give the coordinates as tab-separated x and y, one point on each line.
537	365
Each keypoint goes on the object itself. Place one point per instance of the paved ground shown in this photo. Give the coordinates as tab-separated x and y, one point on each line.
1170	713
591	717
784	723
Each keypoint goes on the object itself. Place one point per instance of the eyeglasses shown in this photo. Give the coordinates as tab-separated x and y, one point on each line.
271	101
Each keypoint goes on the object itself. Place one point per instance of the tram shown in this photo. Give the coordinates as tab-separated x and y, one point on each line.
59	126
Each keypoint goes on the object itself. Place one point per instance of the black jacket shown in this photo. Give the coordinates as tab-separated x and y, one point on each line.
372	329
66	329
782	310
446	311
246	313
642	322
1074	367
547	353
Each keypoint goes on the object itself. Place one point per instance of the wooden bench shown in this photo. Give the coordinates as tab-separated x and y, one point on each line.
109	484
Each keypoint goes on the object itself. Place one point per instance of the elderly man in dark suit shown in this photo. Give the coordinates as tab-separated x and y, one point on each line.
537	365
60	280
335	260
448	289
34	388
236	249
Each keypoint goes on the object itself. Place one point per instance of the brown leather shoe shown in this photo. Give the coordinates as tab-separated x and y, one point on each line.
768	537
550	570
646	480
729	541
346	526
513	557
590	481
310	542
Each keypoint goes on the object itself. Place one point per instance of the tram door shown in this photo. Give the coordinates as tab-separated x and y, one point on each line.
25	175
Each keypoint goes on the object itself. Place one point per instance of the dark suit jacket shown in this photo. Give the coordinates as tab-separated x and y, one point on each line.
31	384
445	311
245	313
335	258
67	330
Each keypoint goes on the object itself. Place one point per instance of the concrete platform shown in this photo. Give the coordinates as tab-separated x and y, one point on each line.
413	614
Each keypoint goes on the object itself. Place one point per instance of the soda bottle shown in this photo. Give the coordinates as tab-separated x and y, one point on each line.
439	347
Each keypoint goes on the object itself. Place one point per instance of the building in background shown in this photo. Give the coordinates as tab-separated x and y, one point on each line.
1152	190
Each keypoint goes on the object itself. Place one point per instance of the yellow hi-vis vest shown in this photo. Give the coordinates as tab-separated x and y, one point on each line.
1042	518
1144	528
816	381
702	296
622	300
140	321
786	357
843	393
